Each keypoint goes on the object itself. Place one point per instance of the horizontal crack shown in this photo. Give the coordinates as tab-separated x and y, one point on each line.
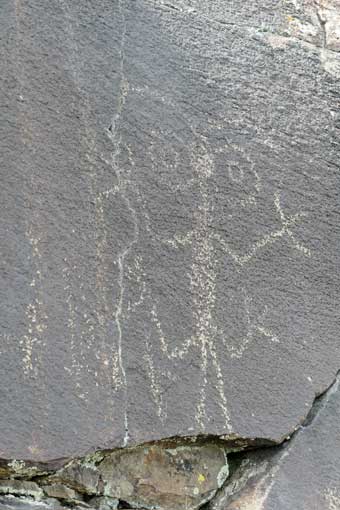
203	471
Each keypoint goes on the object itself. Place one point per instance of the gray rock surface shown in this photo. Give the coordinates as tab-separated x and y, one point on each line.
61	492
170	220
104	503
20	488
15	503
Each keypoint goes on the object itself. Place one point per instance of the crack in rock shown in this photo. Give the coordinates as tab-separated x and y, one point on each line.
255	474
164	475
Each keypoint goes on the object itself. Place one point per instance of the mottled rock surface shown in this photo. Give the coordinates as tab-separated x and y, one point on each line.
165	478
15	503
61	492
20	488
152	477
158	476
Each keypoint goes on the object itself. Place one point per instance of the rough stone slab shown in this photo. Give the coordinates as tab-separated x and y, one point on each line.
302	475
61	492
162	477
20	488
104	503
170	220
165	478
15	503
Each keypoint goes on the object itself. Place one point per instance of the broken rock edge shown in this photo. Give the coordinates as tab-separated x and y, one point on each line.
21	468
320	402
37	472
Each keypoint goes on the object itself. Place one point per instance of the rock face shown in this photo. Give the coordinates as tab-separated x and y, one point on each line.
170	228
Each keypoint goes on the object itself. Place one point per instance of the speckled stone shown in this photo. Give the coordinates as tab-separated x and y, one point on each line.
169	221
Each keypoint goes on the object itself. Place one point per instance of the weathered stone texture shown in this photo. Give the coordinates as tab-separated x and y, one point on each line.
153	477
169	228
165	478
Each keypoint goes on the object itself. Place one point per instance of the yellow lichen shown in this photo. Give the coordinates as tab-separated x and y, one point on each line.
201	478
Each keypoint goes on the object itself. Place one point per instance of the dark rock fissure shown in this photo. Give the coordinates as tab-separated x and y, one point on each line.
158	475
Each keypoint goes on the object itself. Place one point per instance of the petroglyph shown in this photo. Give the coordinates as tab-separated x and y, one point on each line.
76	346
97	327
205	244
178	176
287	223
254	327
36	316
203	278
124	186
155	378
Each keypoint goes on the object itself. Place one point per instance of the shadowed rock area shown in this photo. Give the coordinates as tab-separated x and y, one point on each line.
170	242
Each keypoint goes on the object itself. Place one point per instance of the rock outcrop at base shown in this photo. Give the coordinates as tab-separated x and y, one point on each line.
294	474
159	476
